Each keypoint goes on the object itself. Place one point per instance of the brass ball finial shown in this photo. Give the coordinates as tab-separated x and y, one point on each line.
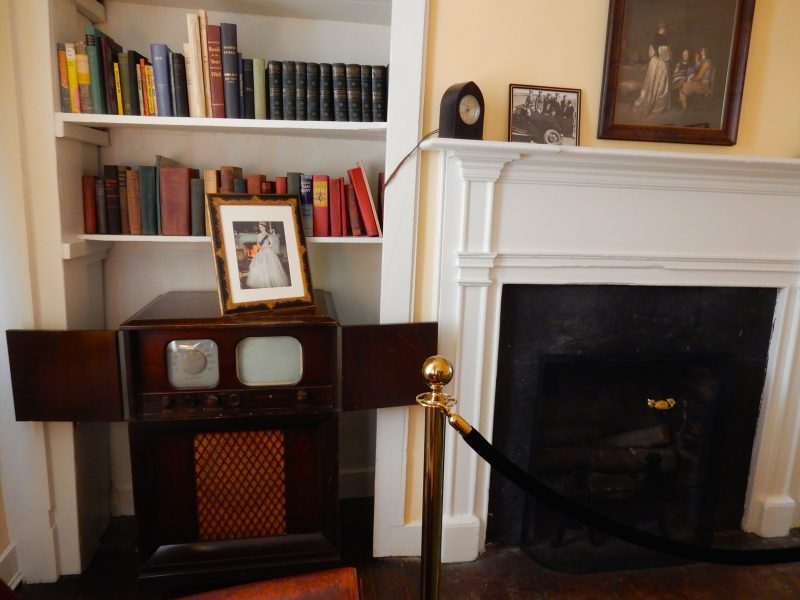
437	371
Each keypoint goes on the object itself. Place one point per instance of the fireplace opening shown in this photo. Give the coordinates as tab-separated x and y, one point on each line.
638	401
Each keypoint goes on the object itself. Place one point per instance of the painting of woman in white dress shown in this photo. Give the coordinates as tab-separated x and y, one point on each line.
266	269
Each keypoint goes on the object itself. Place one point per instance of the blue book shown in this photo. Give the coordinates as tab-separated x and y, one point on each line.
161	67
230	69
306	204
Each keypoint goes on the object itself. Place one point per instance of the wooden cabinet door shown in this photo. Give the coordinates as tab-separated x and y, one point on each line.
65	375
382	364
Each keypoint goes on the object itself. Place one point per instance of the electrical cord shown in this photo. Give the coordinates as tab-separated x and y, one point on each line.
407	156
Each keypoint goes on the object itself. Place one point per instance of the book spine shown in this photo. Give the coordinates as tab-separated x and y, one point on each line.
289	95
89	204
123	200
216	86
95	70
118	89
342	207
171	62
312	91
151	91
240	63
176	205
300	69
142	105
253	182
325	92
259	88
320	187
124	73
133	84
134	202
339	77
202	21
113	211
352	210
379	93
353	75
197	196
160	57
63	81
100	200
230	69
84	78
275	85
181	92
147	195
194	67
366	207
366	93
248	89
307	204
335	208
227	175
211	181
281	185
239	185
72	78
108	54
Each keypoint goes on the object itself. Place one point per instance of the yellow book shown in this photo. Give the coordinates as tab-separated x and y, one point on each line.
72	78
84	77
151	91
120	108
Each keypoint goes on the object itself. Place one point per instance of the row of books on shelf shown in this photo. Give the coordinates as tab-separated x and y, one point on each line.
169	199
210	78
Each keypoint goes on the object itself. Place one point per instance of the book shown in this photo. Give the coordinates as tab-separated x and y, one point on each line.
342	206
214	41
113	210
180	93
195	86
320	188
325	92
339	78
72	78
161	162
91	35
259	88
353	220
100	202
293	184
84	78
63	82
335	207
118	89
150	90
239	185
254	180
366	93
226	176
275	88
173	108
211	181
281	185
175	199
288	90
134	202
202	24
267	187
248	91
198	201
89	204
230	69
240	67
353	76
306	204
379	93
109	50
300	69
366	205
131	98
123	199
159	54
312	91
147	196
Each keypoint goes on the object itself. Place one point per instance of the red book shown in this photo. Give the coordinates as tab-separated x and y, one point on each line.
134	202
280	185
352	210
226	176
343	206
335	208
254	183
89	204
320	185
176	200
214	49
267	187
366	206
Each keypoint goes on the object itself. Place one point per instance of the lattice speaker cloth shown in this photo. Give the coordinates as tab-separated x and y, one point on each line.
241	484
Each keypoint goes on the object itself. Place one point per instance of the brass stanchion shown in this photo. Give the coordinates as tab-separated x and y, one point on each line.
437	372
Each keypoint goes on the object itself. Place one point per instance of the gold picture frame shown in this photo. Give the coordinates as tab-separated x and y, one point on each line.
260	254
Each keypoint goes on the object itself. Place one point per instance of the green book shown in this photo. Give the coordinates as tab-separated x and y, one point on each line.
147	199
97	86
125	82
197	197
260	88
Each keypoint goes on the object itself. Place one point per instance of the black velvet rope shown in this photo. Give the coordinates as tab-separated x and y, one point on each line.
727	556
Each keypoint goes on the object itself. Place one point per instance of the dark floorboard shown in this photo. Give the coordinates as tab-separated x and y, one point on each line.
501	573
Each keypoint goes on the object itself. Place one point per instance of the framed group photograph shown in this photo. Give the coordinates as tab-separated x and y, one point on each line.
543	115
674	70
260	253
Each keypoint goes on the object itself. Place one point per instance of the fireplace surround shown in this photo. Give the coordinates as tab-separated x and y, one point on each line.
524	214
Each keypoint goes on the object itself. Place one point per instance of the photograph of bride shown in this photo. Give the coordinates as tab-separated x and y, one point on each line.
262	264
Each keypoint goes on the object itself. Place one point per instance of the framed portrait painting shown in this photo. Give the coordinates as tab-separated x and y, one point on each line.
544	115
259	252
674	70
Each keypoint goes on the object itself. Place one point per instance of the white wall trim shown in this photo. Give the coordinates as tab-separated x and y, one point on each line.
9	567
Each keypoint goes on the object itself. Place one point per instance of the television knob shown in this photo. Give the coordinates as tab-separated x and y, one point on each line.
212	401
302	396
167	402
234	400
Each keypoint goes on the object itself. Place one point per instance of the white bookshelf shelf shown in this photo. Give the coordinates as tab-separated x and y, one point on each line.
83	127
92	10
197	239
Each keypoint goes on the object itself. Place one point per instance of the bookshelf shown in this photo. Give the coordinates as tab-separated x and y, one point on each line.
95	282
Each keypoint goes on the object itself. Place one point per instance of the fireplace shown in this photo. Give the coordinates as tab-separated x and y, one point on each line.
513	214
640	402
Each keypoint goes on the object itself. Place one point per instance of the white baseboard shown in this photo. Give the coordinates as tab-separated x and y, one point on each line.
777	516
357	483
460	539
122	501
9	567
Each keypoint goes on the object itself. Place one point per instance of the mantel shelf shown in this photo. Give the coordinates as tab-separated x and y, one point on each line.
198	239
82	127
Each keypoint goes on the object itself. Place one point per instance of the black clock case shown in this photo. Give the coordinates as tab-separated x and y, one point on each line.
450	123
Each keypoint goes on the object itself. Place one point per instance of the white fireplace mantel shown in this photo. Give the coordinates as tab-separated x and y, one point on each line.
524	213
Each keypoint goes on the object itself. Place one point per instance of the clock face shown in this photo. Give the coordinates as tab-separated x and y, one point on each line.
469	109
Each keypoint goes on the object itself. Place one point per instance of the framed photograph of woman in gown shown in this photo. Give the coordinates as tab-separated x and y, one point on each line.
674	70
260	252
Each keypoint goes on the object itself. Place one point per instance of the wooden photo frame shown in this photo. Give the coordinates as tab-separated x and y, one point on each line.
674	70
260	253
544	115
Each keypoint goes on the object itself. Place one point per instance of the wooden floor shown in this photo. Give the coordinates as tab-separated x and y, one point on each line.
500	573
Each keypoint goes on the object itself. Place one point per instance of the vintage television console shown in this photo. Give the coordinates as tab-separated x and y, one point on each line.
233	423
